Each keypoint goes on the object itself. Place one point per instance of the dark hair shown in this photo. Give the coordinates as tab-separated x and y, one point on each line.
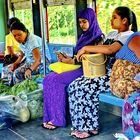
11	21
125	12
18	26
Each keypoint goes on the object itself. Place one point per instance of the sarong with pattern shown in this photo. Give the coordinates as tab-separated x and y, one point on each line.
84	101
131	116
122	82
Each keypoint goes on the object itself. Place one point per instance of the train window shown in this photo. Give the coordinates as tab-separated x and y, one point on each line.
105	9
61	23
22	10
25	17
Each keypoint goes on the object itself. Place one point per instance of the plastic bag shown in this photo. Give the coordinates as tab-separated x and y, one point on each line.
120	136
34	101
31	93
60	67
12	108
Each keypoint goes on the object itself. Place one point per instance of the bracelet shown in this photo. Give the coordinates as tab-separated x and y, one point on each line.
75	61
30	69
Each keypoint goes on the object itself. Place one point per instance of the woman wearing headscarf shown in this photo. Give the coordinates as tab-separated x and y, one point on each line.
55	85
84	92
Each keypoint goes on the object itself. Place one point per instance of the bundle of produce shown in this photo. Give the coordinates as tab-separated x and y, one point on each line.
31	93
4	89
24	86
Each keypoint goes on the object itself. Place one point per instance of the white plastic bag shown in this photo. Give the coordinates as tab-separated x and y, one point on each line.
120	136
12	108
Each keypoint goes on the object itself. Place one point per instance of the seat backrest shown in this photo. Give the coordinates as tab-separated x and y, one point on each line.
2	47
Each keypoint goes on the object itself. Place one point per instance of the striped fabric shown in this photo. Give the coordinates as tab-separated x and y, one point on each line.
125	53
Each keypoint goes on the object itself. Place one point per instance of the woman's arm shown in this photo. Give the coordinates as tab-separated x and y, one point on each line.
37	59
134	45
34	66
14	65
104	49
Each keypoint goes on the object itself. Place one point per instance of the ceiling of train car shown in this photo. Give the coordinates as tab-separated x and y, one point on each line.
59	2
21	4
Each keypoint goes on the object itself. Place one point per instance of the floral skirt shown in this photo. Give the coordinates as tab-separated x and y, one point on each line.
122	82
18	74
131	116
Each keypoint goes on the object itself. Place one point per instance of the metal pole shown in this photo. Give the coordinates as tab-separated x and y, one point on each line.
43	34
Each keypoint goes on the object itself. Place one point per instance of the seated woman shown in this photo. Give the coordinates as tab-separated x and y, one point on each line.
127	66
12	49
54	85
30	46
125	83
84	92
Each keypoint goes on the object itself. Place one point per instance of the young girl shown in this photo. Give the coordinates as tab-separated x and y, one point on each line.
12	49
54	85
84	92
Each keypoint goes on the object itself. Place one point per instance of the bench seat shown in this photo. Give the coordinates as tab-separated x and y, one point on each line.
108	97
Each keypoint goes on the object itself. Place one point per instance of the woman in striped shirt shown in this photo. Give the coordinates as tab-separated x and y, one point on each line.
125	80
127	65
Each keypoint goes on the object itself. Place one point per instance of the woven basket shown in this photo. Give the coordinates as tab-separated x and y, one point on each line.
94	65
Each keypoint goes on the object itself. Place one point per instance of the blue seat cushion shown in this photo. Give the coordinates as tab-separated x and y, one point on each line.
107	97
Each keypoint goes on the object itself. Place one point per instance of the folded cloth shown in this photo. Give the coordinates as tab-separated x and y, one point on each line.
60	67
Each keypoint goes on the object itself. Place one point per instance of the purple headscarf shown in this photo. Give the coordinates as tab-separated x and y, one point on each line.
94	31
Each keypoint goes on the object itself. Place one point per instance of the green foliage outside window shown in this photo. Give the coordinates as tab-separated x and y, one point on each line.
62	24
25	17
106	7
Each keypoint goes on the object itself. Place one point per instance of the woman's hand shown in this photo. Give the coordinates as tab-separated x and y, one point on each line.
65	59
12	67
60	57
28	74
80	53
15	64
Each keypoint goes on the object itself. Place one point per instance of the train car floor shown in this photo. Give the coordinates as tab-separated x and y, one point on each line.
32	130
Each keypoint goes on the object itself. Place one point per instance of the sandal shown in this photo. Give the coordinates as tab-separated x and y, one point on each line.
74	132
94	132
83	135
49	126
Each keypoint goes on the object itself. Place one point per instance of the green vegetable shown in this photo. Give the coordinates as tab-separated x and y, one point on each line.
24	86
37	76
4	89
